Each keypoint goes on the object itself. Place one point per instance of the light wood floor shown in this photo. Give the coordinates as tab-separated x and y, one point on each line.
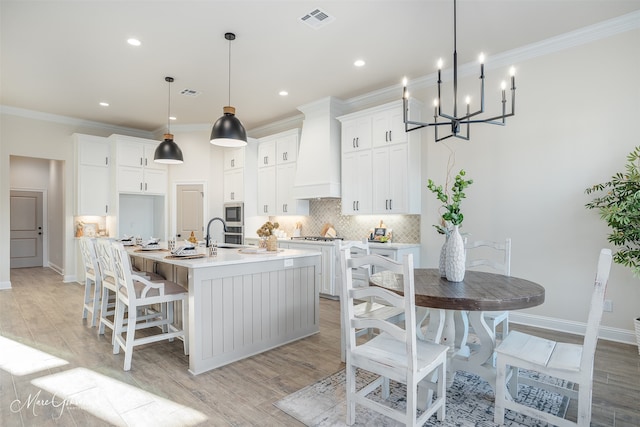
44	313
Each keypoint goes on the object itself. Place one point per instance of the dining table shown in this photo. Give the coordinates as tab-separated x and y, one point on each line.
453	306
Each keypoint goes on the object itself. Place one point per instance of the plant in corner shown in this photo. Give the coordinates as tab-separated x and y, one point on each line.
452	256
619	207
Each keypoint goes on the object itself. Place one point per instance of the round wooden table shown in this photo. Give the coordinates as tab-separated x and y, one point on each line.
449	301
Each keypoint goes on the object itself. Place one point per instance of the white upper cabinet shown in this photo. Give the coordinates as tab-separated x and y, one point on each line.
136	172
277	157
356	134
93	163
380	162
388	127
233	158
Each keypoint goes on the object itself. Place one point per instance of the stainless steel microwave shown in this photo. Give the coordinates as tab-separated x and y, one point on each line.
234	214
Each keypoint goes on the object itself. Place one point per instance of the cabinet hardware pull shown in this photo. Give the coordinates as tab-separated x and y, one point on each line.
106	161
354	205
357	141
145	161
390	200
233	162
358	205
145	186
390	139
140	161
140	186
106	208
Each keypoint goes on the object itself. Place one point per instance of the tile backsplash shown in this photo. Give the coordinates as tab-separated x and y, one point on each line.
406	228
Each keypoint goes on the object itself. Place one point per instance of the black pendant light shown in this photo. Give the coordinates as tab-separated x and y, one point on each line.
227	131
167	151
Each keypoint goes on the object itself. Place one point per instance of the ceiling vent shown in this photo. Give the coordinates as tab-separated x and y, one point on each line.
317	19
190	92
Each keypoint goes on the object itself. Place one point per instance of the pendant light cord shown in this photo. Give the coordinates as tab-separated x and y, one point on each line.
230	71
169	109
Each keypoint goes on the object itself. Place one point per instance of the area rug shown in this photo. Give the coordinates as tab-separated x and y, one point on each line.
470	402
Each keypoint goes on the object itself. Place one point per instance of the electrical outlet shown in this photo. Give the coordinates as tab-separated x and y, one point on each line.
608	305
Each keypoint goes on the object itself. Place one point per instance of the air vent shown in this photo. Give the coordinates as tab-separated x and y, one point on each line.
190	92
317	19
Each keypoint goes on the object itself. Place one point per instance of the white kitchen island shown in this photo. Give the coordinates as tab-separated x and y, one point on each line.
243	304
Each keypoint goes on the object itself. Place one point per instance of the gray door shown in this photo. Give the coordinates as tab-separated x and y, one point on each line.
189	206
26	229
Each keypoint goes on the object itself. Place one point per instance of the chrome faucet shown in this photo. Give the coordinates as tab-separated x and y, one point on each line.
207	238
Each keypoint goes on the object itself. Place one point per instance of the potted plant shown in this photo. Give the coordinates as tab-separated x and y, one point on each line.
452	256
619	206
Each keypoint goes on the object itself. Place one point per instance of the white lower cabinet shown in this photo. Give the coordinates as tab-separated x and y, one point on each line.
328	268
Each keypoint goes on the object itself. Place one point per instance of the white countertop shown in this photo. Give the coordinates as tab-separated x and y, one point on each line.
224	257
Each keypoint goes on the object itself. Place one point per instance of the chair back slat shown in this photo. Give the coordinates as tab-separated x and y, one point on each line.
486	253
105	258
596	308
122	270
89	257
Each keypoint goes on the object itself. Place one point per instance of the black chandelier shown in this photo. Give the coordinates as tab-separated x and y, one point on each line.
453	120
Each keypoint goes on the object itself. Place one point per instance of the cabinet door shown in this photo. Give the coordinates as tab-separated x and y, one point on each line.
286	204
130	179
267	154
233	185
398	179
356	183
130	154
388	127
390	179
267	191
287	149
94	153
356	134
233	158
93	190
155	181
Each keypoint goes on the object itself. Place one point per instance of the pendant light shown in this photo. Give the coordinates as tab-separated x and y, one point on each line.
227	131
167	151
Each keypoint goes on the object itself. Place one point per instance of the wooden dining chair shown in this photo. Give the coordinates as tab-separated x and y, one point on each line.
497	257
368	308
92	280
136	294
395	353
571	362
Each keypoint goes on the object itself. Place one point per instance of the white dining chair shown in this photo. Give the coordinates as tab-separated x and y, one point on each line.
368	308
571	362
135	294
92	280
497	257
395	353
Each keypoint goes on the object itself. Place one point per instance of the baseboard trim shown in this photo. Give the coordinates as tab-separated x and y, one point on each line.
578	328
68	278
5	285
56	268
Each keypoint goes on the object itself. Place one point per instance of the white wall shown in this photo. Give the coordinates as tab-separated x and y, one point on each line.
575	124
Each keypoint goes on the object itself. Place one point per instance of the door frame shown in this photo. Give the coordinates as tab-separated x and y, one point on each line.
45	220
174	207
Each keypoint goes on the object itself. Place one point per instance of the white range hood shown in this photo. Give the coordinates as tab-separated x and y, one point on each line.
319	154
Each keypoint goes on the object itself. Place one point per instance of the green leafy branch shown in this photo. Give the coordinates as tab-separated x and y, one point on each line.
619	207
451	202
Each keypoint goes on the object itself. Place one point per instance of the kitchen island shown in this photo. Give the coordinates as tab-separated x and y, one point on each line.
242	304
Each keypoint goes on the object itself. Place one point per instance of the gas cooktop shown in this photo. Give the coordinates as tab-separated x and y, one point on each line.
317	238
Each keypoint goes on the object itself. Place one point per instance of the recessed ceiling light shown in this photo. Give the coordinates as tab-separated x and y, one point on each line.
134	42
359	63
283	93
172	118
104	104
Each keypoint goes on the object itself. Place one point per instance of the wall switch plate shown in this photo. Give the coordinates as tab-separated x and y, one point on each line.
608	306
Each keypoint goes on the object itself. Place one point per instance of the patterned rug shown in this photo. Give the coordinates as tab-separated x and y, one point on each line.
469	403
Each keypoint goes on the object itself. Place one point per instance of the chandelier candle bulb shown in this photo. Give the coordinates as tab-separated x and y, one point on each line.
481	59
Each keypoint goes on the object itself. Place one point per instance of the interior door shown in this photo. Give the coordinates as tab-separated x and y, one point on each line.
26	229
189	207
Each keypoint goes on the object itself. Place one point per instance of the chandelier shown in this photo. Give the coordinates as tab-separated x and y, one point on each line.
455	121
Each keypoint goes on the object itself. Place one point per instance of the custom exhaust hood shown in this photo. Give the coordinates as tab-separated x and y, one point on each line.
318	168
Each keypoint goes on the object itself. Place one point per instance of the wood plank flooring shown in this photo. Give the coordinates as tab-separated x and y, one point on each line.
44	313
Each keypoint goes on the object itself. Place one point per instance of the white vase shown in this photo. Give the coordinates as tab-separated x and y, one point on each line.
455	256
442	267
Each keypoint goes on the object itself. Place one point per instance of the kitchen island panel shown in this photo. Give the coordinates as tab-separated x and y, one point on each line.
238	311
